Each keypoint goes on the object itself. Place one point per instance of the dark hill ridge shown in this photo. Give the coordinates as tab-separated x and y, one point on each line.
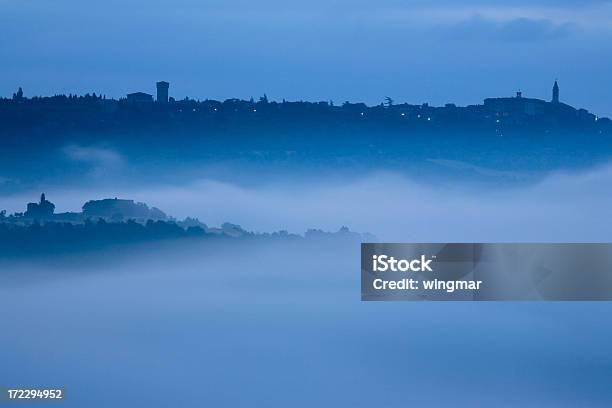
177	140
95	112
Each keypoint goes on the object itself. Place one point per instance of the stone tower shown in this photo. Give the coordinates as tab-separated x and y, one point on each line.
162	91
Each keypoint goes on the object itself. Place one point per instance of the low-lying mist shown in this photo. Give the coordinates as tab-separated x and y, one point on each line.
281	324
561	206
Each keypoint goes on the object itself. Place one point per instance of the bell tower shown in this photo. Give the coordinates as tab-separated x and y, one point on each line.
555	93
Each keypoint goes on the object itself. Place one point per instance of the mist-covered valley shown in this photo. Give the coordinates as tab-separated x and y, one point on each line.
279	322
441	200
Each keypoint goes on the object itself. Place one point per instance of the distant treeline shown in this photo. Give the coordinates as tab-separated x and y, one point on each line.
65	113
63	237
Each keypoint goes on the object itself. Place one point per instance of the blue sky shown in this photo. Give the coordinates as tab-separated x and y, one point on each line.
412	50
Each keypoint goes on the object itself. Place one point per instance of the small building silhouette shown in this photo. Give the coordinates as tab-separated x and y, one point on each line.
18	95
117	209
555	93
42	209
139	97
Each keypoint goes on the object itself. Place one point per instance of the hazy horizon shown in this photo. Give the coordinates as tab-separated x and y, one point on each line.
414	51
556	207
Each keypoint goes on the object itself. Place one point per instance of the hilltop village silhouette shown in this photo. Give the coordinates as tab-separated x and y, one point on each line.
112	221
93	111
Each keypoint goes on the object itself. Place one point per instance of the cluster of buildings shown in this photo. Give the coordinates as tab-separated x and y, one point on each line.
142	97
503	107
517	110
519	105
112	209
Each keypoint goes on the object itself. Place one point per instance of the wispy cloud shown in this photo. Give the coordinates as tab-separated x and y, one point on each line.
99	160
93	155
481	171
516	29
560	207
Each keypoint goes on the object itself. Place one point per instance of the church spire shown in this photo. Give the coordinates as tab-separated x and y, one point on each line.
555	93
